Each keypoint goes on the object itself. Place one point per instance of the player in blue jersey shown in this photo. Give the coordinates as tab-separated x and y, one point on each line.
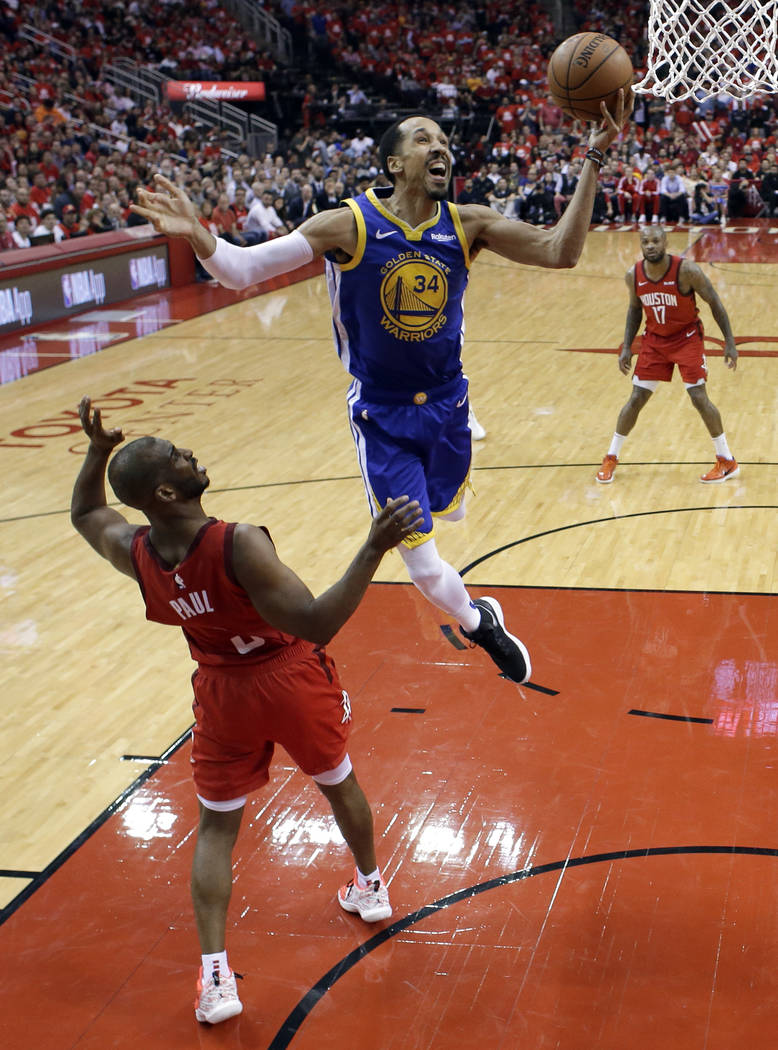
397	262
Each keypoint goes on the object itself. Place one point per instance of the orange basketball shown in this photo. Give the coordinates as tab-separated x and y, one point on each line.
586	69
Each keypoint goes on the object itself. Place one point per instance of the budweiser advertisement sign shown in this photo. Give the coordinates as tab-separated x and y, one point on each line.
216	90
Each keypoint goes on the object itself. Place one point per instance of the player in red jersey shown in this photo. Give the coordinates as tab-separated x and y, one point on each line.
663	287
628	197
263	676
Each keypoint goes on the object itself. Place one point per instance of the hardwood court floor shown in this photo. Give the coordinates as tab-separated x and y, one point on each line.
587	863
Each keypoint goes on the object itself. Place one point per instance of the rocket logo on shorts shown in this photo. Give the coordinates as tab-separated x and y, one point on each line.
346	705
413	294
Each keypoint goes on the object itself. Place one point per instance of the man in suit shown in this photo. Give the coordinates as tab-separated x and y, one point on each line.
302	207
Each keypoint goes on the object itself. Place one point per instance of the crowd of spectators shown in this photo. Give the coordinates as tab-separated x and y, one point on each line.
73	150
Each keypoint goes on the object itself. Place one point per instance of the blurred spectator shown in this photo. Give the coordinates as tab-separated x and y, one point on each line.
649	191
357	99
49	225
564	188
328	198
21	233
705	210
23	206
6	236
96	221
263	218
361	144
769	189
226	221
602	210
468	195
205	218
301	207
46	112
672	194
502	200
538	199
628	197
72	224
743	199
279	207
40	193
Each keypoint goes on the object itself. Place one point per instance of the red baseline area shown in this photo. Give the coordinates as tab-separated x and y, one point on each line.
598	943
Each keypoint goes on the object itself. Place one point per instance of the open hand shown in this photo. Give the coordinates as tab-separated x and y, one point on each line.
398	519
169	211
92	425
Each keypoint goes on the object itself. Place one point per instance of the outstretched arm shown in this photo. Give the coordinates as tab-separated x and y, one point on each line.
170	211
691	274
103	528
281	597
561	246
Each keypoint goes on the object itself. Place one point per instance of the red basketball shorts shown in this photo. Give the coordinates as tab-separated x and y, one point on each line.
657	358
295	700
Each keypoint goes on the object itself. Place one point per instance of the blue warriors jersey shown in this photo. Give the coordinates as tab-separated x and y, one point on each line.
397	303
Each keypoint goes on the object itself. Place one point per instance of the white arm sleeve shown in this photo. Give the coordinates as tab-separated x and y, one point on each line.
237	267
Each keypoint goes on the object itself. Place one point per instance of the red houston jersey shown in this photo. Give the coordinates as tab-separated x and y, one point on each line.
669	313
202	596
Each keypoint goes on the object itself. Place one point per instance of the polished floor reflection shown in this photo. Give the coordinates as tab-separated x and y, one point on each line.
582	864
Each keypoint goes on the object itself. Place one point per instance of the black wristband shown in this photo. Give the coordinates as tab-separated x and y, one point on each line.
595	155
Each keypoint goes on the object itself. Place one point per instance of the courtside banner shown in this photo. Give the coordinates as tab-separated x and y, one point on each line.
216	90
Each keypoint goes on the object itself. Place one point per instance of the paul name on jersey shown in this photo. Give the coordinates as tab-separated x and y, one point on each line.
195	604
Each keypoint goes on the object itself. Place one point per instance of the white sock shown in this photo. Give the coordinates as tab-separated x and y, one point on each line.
721	447
616	442
215	963
363	881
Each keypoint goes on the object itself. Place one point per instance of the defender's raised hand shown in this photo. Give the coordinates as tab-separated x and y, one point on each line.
398	519
92	425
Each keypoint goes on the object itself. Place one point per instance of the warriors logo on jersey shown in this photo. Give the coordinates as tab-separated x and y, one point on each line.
402	287
413	296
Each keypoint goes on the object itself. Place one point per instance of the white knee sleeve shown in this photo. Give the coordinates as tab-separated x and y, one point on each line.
438	581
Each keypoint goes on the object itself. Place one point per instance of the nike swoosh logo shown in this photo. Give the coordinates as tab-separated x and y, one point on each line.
460	403
693	331
380	234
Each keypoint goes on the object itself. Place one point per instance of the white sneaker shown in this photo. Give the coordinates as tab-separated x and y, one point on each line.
371	904
477	432
217	998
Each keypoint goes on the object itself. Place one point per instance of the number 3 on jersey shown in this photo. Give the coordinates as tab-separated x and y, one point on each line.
244	646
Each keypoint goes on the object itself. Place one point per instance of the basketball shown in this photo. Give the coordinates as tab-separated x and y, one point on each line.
586	69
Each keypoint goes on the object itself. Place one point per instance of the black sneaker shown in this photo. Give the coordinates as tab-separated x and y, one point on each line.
508	653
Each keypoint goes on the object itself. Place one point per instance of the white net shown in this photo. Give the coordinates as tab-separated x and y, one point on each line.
710	47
